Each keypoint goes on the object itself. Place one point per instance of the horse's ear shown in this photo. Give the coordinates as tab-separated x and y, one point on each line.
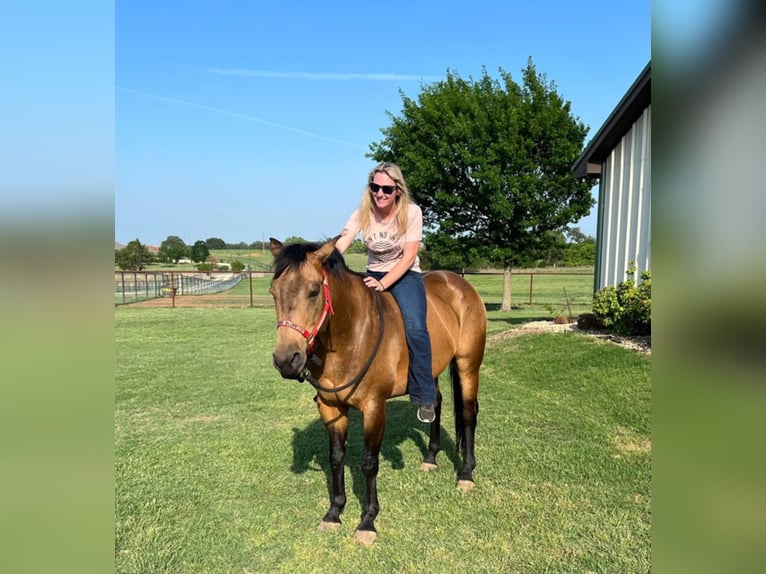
275	246
326	250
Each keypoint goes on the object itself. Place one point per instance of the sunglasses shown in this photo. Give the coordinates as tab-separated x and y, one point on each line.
387	189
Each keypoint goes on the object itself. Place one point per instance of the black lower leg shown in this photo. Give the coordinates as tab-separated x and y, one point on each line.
469	434
337	481
434	438
370	470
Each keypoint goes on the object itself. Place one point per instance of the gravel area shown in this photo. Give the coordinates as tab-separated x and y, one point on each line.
641	344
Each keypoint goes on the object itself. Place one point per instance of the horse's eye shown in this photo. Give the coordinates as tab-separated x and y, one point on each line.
313	293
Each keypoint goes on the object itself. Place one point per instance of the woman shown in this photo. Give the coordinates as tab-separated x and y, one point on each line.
392	227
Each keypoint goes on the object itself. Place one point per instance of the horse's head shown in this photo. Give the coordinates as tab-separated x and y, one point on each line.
302	300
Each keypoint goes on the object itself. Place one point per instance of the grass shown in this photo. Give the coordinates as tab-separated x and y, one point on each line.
221	466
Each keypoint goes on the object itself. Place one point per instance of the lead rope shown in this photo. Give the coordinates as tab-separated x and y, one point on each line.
357	379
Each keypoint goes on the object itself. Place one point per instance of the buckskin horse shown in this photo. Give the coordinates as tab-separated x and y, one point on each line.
330	332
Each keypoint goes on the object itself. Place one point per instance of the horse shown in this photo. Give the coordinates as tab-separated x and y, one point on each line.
330	332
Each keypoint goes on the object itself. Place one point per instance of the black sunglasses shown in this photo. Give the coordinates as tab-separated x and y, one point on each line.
387	189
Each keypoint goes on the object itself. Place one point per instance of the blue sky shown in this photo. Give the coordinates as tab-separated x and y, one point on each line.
245	120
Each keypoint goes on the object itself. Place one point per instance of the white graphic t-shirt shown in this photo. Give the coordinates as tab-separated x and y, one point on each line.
385	245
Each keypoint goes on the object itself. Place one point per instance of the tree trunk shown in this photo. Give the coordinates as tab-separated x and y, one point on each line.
506	303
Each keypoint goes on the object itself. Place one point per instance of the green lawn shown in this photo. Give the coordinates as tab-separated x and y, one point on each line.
221	465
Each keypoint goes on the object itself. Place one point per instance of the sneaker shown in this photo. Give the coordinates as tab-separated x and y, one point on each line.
426	414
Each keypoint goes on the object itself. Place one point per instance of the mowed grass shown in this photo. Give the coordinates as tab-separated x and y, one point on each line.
221	465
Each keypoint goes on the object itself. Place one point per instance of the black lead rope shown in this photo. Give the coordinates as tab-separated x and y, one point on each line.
357	379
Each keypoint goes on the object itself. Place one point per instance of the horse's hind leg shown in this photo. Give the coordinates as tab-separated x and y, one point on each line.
434	439
466	385
336	423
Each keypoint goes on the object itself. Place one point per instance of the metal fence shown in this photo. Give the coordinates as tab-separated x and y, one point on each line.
554	289
134	286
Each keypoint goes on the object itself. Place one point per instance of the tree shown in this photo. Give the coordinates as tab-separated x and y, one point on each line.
580	250
199	251
215	243
173	249
357	246
133	256
489	163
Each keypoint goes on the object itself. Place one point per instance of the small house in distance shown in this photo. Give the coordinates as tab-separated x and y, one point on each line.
619	156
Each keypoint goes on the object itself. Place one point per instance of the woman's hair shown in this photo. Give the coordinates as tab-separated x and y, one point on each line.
402	196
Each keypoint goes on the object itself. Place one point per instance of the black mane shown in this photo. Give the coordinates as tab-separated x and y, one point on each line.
294	255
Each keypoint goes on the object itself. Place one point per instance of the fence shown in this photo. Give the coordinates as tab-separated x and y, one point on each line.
134	286
553	290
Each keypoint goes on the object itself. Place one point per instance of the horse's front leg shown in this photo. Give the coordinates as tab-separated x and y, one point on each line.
434	435
374	427
336	422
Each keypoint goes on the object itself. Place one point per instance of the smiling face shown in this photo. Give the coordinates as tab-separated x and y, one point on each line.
384	203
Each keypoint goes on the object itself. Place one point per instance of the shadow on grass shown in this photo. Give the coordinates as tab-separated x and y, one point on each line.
311	445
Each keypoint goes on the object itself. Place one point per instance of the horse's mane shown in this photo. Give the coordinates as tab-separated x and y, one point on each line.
295	254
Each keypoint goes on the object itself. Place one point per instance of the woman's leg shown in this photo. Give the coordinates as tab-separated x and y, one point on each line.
410	295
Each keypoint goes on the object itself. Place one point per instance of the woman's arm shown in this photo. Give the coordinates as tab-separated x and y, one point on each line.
409	253
344	241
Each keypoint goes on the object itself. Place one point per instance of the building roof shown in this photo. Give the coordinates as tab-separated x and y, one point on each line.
619	122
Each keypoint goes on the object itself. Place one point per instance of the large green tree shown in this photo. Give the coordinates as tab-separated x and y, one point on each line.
215	243
173	249
134	256
199	251
489	161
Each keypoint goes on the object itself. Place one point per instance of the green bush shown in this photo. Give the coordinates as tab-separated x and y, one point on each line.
627	308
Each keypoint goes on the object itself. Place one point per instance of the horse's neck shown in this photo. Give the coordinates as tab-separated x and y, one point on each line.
354	306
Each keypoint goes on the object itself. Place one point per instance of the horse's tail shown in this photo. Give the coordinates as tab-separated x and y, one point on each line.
457	399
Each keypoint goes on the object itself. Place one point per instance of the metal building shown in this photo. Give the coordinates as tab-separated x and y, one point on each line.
619	156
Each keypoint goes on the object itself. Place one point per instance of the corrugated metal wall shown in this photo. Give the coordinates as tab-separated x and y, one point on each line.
625	206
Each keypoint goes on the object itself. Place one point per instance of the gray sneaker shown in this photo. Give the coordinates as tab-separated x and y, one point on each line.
426	413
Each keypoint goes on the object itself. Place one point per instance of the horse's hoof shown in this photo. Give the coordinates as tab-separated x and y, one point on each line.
427	466
465	485
365	537
325	526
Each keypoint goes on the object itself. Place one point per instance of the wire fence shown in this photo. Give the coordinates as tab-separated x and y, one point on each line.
566	292
135	286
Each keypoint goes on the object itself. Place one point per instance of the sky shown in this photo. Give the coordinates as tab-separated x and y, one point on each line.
248	120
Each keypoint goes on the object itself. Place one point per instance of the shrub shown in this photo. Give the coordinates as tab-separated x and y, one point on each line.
627	308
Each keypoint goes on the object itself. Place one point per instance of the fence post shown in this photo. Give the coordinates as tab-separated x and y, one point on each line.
250	272
172	289
531	280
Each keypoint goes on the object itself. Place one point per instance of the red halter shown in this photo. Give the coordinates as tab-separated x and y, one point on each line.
328	310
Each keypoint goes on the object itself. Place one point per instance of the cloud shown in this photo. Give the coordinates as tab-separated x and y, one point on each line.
323	76
239	115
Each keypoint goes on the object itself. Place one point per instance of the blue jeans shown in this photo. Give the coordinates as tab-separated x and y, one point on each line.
410	295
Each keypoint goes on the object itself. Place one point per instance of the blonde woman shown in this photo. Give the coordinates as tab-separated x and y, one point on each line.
392	228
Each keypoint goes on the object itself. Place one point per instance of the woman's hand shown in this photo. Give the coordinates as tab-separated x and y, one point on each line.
373	283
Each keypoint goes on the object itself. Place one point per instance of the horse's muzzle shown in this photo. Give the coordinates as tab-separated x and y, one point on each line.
290	364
